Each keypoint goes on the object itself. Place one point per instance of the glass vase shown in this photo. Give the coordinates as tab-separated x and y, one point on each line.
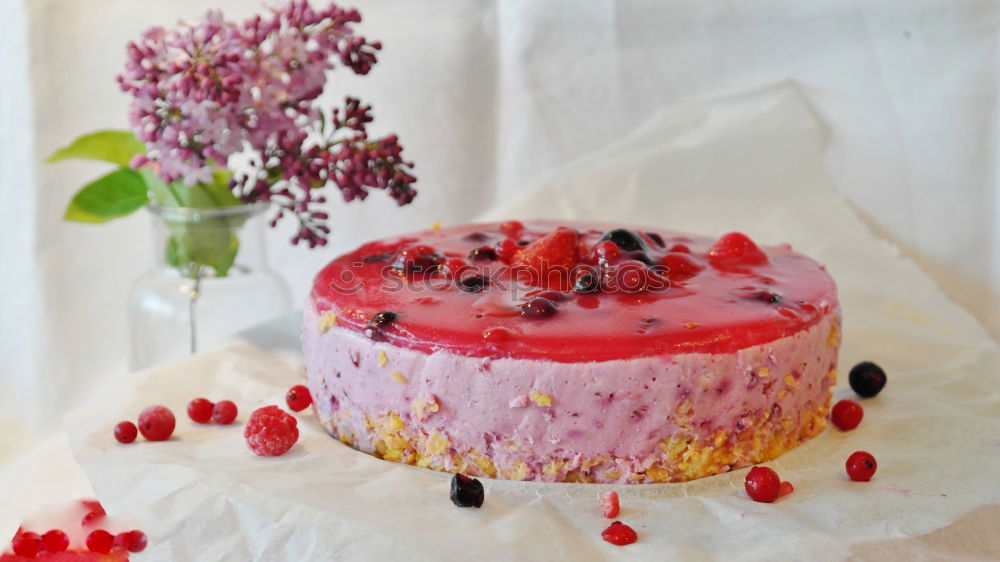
209	279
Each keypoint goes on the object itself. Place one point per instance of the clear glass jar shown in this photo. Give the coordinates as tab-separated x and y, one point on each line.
209	279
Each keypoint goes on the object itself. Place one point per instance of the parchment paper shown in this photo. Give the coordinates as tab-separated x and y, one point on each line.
750	162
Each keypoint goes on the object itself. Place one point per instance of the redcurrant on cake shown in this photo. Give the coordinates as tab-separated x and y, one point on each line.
572	351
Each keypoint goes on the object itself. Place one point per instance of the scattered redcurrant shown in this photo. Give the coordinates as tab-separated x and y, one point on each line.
224	412
847	414
55	541
200	410
100	541
131	541
125	432
298	398
156	423
762	484
26	544
861	466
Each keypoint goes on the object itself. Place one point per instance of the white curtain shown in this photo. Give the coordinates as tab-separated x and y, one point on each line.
486	95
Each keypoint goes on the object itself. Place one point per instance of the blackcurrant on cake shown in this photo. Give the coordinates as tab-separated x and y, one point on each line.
572	351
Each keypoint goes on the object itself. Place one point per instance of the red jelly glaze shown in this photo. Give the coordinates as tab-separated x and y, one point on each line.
719	293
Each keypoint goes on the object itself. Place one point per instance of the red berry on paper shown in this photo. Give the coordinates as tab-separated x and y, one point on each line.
298	398
619	534
55	541
847	414
131	541
762	484
26	544
609	505
200	410
861	466
271	432
125	432
224	412
100	541
785	488
156	423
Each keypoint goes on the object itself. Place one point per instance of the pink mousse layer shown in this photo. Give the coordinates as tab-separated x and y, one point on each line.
621	408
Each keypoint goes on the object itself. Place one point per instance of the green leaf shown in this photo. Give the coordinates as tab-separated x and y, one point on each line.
117	147
113	195
194	246
160	192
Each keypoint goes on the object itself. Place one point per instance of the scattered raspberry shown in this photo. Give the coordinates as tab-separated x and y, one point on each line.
762	484
861	466
125	432
224	412
100	541
271	432
609	505
785	488
55	541
131	541
847	414
619	534
156	423
298	398
26	544
200	410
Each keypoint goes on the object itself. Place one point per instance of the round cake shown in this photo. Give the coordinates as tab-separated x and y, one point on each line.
572	351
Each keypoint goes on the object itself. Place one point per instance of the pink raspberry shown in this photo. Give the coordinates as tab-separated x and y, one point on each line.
270	431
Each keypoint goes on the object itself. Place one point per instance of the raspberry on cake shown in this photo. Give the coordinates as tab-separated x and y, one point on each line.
573	351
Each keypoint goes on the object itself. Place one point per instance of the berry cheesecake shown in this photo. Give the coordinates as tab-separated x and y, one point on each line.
572	351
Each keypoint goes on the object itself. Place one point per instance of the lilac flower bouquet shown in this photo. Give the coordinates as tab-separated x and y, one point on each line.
225	114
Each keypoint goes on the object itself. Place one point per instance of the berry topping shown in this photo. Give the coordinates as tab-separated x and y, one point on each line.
656	238
554	296
547	262
417	260
100	541
861	466
156	423
26	544
619	534
609	505
483	253
466	491
762	484
270	431
867	379
680	248
607	252
680	266
511	228
200	410
785	488
452	266
627	240
506	248
131	541
586	282
735	249
55	541
125	432
224	412
298	398
495	335
473	283
538	307
378	323
847	414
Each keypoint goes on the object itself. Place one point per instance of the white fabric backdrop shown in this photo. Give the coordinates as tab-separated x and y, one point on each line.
485	96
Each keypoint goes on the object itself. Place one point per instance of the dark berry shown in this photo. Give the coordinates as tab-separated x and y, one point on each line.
554	296
762	484
609	505
378	323
627	240
483	253
656	238
26	544
473	283
200	410
125	432
417	260
224	412
466	491
867	379
586	282
847	414
298	398
55	541
538	307
619	534
100	541
270	431
861	466
156	423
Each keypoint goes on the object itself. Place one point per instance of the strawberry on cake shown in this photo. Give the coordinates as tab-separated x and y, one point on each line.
572	351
